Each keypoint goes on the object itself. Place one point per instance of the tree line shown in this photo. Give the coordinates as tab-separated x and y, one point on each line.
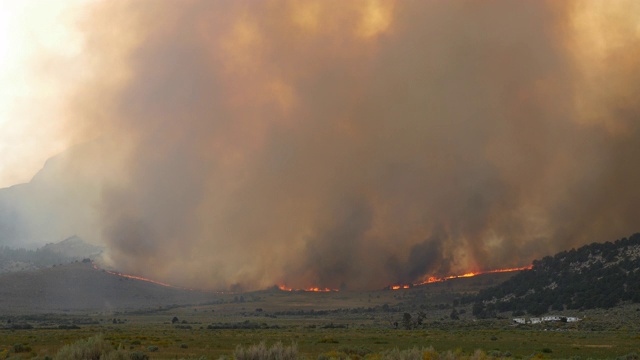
599	275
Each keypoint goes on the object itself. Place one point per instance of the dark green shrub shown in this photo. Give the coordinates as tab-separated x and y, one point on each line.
355	351
21	348
328	340
68	327
139	356
629	356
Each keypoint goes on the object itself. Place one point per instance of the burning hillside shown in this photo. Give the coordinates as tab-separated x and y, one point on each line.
133	277
436	279
309	289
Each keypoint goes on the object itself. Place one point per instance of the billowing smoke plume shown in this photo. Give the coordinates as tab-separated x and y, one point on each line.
357	144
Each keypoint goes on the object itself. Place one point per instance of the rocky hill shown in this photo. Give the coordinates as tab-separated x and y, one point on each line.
599	275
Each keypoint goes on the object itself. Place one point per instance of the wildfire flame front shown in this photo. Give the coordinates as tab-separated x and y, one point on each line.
436	279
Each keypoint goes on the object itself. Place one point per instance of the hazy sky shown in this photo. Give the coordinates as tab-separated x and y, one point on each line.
329	143
40	64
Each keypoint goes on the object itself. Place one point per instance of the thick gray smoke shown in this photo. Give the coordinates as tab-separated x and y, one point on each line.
354	144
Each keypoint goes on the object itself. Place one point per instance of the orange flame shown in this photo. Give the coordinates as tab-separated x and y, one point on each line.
435	279
136	277
398	287
310	289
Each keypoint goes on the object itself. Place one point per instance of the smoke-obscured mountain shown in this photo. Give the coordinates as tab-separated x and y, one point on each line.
80	287
599	275
74	247
58	203
66	251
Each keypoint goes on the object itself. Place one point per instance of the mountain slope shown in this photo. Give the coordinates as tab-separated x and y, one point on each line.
60	201
74	247
64	252
600	275
80	287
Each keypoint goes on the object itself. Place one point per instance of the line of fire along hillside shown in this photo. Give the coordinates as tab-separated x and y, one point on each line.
134	277
435	279
428	280
140	278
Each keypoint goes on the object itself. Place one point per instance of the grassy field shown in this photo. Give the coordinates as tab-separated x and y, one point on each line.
176	343
337	325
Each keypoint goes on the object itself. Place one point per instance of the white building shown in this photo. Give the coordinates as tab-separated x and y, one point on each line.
545	319
551	318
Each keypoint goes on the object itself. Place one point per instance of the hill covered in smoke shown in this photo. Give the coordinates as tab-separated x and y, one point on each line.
52	254
348	144
59	202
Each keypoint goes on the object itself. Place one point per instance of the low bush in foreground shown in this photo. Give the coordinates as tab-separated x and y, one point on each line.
95	348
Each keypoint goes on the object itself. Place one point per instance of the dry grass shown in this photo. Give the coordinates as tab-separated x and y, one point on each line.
260	351
94	348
